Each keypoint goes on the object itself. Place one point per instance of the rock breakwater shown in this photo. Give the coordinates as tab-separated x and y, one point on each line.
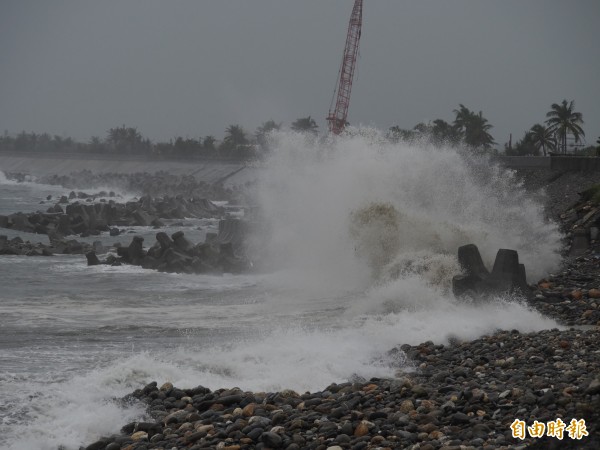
17	246
69	216
220	252
153	184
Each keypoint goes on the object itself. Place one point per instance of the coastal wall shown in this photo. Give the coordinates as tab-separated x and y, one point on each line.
227	172
230	173
563	163
575	163
524	162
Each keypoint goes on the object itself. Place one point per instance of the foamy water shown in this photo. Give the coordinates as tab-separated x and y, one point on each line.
340	292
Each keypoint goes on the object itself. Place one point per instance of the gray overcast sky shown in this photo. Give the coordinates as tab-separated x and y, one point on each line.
191	68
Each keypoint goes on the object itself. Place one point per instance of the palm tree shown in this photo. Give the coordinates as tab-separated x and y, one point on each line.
268	126
235	136
542	137
473	127
263	131
209	143
396	134
235	144
442	133
463	118
564	121
305	124
476	134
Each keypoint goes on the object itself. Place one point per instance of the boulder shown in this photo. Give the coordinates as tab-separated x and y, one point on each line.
92	259
20	222
40	229
181	242
178	255
142	219
78	225
73	247
164	240
580	243
92	220
9	251
64	225
136	251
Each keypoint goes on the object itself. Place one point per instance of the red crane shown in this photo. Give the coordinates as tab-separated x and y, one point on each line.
336	118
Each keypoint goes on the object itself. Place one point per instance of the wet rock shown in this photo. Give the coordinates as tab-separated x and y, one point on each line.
93	216
92	259
579	244
271	440
476	411
507	275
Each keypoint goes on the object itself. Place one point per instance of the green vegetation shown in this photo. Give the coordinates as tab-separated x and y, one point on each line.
562	121
305	124
262	134
237	143
542	137
592	194
469	128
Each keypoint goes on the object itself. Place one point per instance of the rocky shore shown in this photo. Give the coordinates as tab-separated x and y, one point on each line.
572	295
220	252
16	246
465	395
96	214
157	184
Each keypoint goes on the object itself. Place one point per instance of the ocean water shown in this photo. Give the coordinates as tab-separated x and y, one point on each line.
359	237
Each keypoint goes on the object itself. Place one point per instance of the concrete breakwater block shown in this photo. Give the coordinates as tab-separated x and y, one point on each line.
219	253
507	275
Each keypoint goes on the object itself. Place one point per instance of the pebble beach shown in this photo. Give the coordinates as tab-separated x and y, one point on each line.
465	395
506	390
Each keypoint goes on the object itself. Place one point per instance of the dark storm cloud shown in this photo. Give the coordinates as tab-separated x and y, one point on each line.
194	67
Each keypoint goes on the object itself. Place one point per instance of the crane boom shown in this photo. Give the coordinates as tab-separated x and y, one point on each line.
336	118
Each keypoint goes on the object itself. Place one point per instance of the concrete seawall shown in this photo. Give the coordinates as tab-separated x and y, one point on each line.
227	172
575	163
563	163
230	173
524	162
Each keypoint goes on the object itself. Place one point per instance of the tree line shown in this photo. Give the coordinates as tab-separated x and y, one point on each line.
237	144
560	133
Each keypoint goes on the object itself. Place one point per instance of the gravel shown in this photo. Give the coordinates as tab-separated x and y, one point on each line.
460	396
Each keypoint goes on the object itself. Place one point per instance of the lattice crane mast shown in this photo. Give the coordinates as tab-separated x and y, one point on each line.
336	118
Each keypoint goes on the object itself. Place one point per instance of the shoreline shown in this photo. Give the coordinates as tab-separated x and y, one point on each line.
464	395
461	395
